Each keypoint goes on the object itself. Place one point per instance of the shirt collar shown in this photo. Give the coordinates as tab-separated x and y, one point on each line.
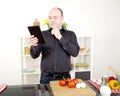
61	30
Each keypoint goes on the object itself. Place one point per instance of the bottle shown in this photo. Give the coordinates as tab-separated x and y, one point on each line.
36	22
105	89
26	49
104	80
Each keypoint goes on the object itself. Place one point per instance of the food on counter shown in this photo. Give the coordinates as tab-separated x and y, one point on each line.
98	81
72	83
111	78
75	81
68	79
83	85
62	83
114	84
80	85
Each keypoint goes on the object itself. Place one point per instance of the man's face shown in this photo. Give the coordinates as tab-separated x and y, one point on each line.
55	18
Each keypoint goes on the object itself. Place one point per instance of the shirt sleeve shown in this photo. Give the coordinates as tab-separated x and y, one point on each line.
35	51
70	46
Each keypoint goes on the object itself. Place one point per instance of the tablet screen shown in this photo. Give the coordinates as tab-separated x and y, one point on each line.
36	31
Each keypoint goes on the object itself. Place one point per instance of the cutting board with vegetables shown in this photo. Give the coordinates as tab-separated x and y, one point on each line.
66	91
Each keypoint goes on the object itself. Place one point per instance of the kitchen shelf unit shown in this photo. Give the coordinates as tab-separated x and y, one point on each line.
82	64
30	67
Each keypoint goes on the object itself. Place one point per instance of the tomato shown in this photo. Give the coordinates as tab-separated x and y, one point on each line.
71	84
75	81
68	79
62	82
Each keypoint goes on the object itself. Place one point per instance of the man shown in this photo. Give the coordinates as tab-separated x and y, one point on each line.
59	45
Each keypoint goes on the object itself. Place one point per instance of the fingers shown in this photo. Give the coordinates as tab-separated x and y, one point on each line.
33	40
56	33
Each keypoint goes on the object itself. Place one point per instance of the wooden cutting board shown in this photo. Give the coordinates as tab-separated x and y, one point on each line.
66	91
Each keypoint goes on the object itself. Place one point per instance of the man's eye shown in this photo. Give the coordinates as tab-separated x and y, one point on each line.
49	18
55	17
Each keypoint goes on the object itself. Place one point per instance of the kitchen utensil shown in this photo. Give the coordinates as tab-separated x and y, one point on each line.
113	70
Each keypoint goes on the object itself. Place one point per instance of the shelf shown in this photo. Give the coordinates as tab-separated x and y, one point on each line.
32	74
84	54
84	59
26	55
81	70
31	71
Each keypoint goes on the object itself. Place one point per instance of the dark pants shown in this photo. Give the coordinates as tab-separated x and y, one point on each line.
46	78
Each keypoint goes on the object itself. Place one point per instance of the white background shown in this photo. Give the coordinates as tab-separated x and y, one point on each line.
99	18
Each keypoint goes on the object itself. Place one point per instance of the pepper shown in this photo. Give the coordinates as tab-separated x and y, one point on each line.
114	84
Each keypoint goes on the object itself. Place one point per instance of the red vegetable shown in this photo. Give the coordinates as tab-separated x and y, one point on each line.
75	81
111	78
62	82
68	79
71	84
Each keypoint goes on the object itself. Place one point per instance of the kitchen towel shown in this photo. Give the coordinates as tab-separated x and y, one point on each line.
97	86
3	87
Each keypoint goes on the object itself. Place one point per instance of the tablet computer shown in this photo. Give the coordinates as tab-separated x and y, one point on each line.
36	31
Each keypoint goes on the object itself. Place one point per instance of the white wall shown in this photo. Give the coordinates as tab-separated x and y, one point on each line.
99	18
106	32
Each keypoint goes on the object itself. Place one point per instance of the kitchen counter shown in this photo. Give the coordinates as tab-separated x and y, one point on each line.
34	90
27	90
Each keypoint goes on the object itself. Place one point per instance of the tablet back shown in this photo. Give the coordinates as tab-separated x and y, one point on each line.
36	31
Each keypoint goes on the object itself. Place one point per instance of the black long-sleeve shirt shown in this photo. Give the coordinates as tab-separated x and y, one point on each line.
56	53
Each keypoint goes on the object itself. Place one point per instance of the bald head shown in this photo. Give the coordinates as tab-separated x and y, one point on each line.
59	9
56	17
